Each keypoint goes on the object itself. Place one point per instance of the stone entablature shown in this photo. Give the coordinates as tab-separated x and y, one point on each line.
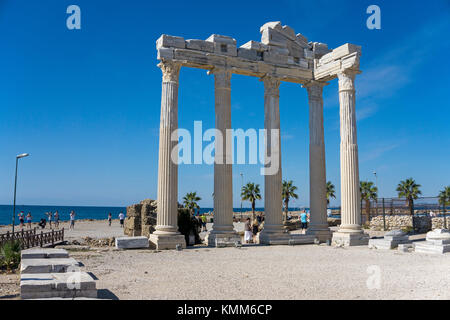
281	53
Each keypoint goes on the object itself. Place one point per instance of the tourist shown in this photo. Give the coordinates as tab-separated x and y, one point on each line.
109	219
121	217
304	220
29	218
248	234
204	222
72	220
42	223
259	218
21	216
56	219
255	229
50	219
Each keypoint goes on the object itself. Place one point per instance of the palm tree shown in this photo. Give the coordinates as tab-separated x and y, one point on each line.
190	201
288	192
409	189
251	193
444	200
368	192
331	192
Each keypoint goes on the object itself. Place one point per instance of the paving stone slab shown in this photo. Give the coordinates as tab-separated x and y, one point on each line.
44	253
52	265
132	242
57	285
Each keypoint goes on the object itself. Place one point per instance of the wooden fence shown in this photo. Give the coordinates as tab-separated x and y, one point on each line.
31	238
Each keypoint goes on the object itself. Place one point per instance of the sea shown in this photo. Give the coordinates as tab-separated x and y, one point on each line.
82	213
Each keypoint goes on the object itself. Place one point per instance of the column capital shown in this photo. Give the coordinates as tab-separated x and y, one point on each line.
347	80
315	89
271	85
170	70
222	77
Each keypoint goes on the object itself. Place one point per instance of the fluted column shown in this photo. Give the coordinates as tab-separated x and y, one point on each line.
166	235
350	193
273	223
317	170
223	168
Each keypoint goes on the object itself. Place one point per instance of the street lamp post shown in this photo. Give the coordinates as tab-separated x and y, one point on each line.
20	156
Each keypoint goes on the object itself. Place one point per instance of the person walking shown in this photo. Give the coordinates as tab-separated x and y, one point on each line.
29	218
248	234
204	222
109	219
121	218
56	219
304	220
50	214
72	220
255	229
21	216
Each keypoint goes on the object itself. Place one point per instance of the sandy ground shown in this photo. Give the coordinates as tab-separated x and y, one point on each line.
254	272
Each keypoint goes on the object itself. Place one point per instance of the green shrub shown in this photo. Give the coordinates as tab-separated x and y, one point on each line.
407	229
10	255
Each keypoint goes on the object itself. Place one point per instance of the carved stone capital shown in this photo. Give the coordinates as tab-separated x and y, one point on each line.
170	70
271	85
346	80
315	89
222	78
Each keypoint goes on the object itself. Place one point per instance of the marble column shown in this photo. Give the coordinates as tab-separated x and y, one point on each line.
317	172
350	231
166	235
273	231
223	229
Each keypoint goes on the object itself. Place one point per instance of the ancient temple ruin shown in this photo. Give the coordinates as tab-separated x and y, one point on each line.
281	55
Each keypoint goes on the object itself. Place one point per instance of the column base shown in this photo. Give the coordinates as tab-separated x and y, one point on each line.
221	240
350	239
323	235
167	241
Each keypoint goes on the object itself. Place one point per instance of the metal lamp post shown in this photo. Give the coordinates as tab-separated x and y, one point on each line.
20	156
242	185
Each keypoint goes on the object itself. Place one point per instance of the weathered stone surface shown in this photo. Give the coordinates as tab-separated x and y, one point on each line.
29	266
201	45
405	247
438	222
52	285
170	41
167	242
350	239
132	242
438	241
44	253
397	221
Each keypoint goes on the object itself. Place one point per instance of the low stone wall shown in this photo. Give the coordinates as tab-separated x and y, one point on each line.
423	224
438	222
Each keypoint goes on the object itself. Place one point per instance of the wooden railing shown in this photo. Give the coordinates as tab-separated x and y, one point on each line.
31	238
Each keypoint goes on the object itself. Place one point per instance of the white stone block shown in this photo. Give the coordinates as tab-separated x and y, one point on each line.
47	265
165	53
221	39
170	41
200	45
132	242
44	253
255	45
249	54
57	285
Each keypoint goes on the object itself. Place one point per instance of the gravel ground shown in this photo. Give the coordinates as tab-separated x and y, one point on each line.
253	272
268	272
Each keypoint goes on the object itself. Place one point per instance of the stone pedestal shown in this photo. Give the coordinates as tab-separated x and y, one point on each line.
350	232
438	241
223	231
273	224
318	226
391	240
166	235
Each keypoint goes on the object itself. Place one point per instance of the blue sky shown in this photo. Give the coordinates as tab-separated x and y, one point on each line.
86	103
